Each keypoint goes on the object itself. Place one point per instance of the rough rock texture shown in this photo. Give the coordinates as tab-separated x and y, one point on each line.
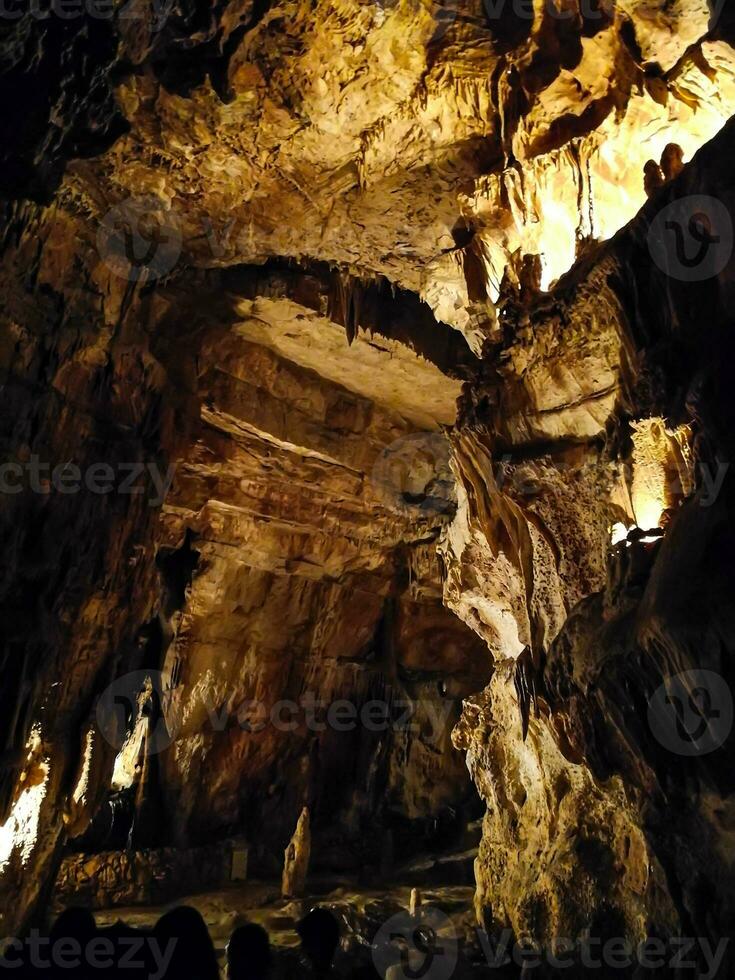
291	559
296	859
302	553
592	821
115	878
262	249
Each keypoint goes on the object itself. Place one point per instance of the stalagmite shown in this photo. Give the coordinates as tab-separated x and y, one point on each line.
672	161
296	859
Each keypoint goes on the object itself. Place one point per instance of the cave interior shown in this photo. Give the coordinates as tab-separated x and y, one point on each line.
366	508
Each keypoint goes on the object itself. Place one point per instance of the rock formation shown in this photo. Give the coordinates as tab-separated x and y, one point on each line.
296	859
366	447
586	795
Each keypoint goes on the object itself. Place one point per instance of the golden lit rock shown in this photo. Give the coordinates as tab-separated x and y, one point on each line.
401	416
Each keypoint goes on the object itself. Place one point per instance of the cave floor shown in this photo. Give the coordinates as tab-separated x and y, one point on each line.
363	909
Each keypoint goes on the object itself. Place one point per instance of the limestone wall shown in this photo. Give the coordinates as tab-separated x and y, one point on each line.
118	878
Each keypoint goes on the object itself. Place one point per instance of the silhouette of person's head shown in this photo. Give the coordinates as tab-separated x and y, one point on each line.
74	923
249	953
72	926
319	932
193	956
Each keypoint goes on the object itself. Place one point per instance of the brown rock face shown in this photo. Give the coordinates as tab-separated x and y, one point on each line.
591	790
221	670
366	435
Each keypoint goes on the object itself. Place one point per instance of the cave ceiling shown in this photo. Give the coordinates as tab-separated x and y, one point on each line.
429	143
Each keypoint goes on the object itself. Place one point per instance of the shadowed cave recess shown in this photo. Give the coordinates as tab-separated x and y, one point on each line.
366	501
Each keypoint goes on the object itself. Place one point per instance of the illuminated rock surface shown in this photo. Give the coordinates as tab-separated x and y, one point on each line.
403	357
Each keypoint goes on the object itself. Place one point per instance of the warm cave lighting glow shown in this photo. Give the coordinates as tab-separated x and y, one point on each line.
648	517
559	241
124	769
647	512
19	832
618	532
655	451
80	791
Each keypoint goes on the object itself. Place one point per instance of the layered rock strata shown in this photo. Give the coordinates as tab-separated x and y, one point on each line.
253	253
